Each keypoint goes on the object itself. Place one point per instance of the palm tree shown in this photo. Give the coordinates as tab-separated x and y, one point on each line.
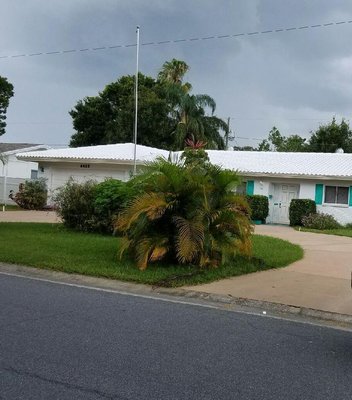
187	213
189	111
173	72
193	122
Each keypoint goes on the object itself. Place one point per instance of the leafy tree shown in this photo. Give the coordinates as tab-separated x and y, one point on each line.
277	142
6	92
109	117
330	137
168	113
187	213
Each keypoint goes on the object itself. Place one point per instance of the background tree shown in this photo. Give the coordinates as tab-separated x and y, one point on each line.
189	111
108	117
330	137
168	113
173	72
6	92
277	142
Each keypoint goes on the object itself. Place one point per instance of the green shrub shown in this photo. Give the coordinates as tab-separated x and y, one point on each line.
300	208
92	206
109	198
320	221
31	195
259	206
75	204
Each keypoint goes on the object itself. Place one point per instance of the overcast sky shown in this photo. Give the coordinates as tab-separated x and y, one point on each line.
295	79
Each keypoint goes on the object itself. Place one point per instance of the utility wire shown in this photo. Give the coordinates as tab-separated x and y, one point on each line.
192	39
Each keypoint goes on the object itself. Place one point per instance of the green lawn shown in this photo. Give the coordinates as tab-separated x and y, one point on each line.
338	232
51	246
12	208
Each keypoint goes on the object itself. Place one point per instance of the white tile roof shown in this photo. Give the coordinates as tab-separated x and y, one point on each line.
110	152
277	163
246	162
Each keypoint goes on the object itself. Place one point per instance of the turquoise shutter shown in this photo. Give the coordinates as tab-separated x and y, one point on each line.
350	200
250	187
319	188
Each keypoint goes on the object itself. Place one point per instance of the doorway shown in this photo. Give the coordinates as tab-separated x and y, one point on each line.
283	194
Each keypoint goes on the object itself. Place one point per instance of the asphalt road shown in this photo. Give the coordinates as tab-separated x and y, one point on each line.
62	342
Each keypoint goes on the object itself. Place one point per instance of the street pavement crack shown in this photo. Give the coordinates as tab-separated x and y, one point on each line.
67	385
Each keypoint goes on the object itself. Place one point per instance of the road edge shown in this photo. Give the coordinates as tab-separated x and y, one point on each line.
226	301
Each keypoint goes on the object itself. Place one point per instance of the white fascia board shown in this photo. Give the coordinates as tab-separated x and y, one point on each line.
296	176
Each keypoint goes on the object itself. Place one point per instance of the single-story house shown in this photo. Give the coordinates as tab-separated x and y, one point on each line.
14	171
323	177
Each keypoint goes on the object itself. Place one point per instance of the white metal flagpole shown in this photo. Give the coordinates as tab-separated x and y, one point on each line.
136	107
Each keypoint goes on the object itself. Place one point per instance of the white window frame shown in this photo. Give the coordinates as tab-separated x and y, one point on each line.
337	204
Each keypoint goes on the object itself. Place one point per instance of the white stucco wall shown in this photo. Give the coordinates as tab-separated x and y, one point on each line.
264	186
58	173
16	168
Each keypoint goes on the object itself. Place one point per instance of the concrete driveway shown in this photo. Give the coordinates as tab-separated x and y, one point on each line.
321	280
29	216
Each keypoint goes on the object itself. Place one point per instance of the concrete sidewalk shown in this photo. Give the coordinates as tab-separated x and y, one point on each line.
321	280
29	216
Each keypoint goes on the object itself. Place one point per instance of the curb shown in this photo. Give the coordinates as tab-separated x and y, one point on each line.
261	305
228	301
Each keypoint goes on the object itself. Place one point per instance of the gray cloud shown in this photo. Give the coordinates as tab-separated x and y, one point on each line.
294	80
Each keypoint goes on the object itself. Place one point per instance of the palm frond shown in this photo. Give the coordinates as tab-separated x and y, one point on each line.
189	239
153	205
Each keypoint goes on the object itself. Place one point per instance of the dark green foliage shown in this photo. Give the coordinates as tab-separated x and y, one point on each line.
92	206
320	221
109	198
6	92
75	204
32	195
330	137
167	113
259	206
277	142
300	208
109	116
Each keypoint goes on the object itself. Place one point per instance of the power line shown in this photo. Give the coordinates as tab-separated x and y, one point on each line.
286	119
191	39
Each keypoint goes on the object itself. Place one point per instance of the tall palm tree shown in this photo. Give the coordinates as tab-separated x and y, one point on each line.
190	111
173	72
190	114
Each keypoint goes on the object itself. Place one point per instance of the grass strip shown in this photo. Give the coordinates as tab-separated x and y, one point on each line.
51	246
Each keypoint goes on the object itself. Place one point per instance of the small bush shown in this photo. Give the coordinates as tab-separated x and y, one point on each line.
348	226
92	206
320	221
300	208
31	195
259	206
110	197
75	204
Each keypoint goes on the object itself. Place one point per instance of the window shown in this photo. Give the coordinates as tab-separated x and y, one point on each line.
34	174
336	195
242	188
85	166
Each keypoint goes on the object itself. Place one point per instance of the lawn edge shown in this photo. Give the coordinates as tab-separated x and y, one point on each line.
227	302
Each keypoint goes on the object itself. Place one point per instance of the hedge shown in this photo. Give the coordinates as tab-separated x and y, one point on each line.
259	206
300	208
